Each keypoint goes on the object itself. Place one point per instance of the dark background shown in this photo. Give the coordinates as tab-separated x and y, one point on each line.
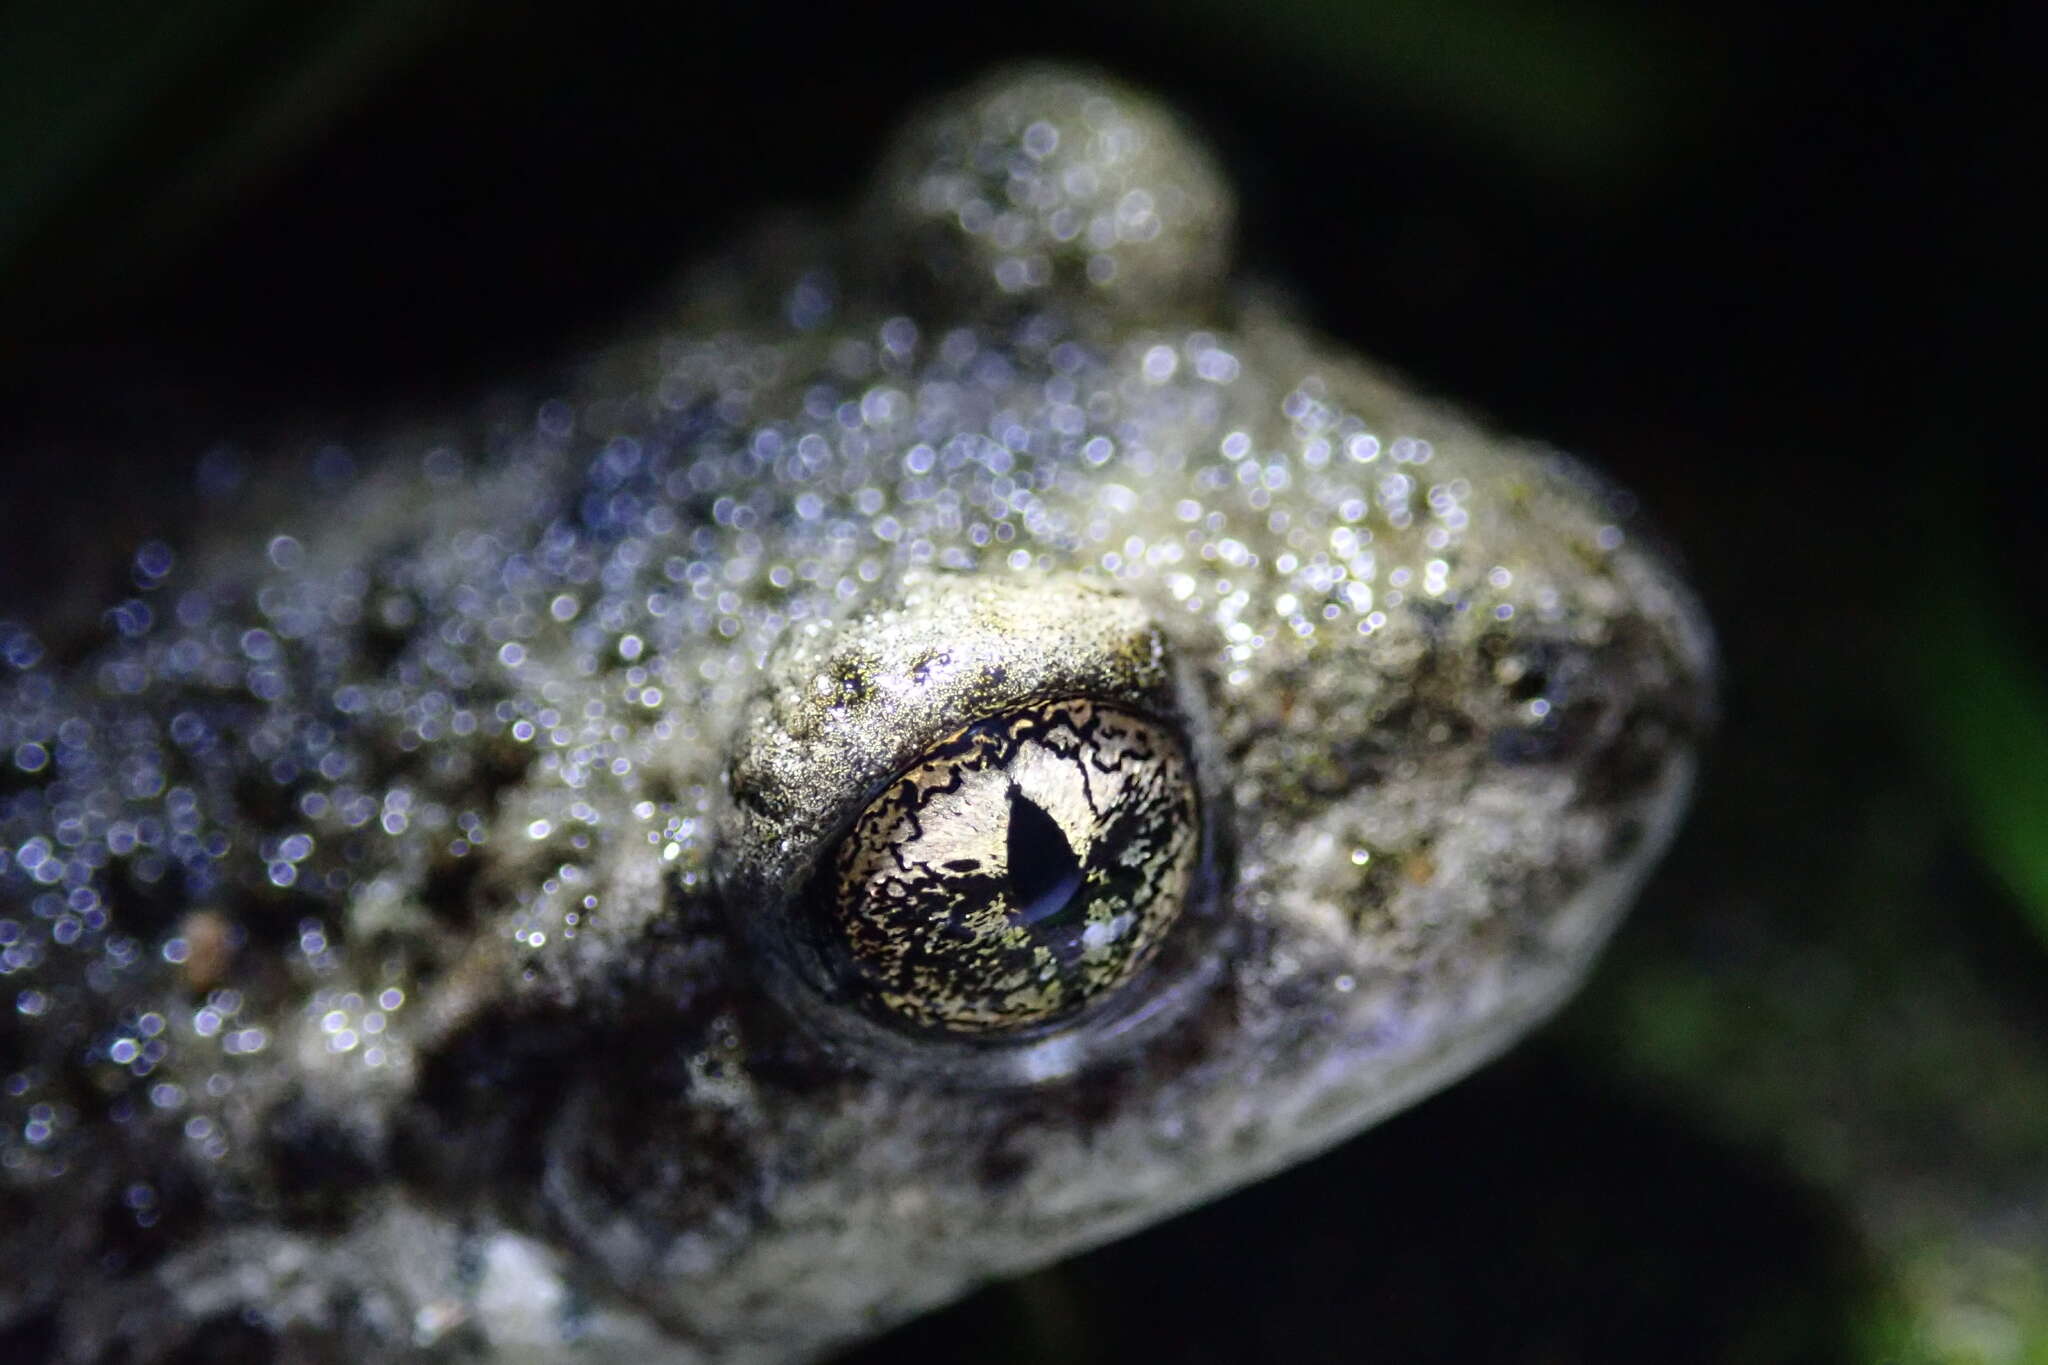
1761	263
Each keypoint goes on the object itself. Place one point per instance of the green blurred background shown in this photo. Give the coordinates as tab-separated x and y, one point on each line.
1760	262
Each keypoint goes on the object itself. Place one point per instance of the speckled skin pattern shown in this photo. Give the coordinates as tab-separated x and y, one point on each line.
380	926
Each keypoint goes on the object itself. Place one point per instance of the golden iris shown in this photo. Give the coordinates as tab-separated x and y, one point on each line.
1019	870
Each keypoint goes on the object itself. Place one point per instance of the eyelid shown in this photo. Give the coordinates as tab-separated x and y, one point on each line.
846	705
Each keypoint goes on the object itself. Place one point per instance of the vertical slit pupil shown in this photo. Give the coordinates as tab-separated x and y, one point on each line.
1044	873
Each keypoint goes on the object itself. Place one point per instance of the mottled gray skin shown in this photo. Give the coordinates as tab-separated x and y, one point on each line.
375	899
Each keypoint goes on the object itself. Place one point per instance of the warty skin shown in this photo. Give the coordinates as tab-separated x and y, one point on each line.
396	896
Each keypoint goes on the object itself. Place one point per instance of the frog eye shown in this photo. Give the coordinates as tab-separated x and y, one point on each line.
972	824
1020	869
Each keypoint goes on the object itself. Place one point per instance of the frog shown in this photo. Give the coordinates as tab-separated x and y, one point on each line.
975	732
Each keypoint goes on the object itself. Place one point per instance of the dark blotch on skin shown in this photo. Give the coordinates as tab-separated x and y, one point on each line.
322	1167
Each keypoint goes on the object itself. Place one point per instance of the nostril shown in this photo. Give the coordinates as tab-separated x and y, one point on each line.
1549	699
